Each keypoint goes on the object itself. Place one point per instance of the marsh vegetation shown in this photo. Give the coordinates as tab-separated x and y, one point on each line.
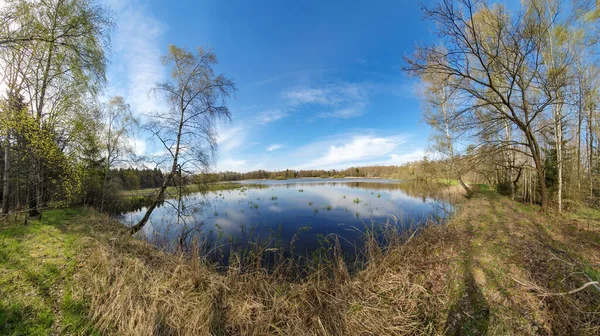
274	225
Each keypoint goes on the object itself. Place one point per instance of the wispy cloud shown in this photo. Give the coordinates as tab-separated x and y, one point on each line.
352	149
355	110
274	147
231	137
268	116
136	64
362	148
340	100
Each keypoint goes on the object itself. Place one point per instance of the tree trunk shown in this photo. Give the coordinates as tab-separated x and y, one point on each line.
558	139
137	227
579	122
543	190
591	154
172	173
32	193
462	183
539	167
6	178
105	180
509	160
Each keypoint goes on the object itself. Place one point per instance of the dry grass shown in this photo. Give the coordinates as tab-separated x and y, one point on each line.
136	290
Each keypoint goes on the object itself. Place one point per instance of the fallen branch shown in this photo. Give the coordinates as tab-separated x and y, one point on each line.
595	283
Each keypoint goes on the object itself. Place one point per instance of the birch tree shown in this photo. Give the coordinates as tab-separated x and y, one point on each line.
119	126
196	97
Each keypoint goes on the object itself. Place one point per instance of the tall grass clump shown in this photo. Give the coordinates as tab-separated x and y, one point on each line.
133	289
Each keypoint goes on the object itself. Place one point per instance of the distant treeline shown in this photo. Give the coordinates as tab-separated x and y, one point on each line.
133	178
407	171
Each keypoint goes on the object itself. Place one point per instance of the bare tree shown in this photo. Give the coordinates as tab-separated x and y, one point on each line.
494	62
196	98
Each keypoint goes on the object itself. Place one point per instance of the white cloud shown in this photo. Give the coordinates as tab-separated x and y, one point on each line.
361	148
345	113
341	100
231	137
270	116
273	147
136	63
337	152
137	145
309	96
232	165
351	149
398	159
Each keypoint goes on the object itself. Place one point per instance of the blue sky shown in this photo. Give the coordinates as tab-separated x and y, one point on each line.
319	82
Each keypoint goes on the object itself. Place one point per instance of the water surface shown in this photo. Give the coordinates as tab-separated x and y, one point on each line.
301	210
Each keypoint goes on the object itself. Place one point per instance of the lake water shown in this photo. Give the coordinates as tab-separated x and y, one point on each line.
301	210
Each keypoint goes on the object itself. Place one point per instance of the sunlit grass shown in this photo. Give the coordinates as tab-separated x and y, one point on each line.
36	265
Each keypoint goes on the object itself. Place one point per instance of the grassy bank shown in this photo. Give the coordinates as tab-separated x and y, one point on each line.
499	267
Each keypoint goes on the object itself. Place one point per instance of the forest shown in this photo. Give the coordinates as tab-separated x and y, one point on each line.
513	99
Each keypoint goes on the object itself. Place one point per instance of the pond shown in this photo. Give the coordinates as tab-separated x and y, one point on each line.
296	214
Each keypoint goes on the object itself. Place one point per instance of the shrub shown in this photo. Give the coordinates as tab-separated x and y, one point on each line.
505	188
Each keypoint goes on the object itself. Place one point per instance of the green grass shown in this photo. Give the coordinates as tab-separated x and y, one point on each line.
37	263
483	186
525	207
449	182
588	213
591	272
